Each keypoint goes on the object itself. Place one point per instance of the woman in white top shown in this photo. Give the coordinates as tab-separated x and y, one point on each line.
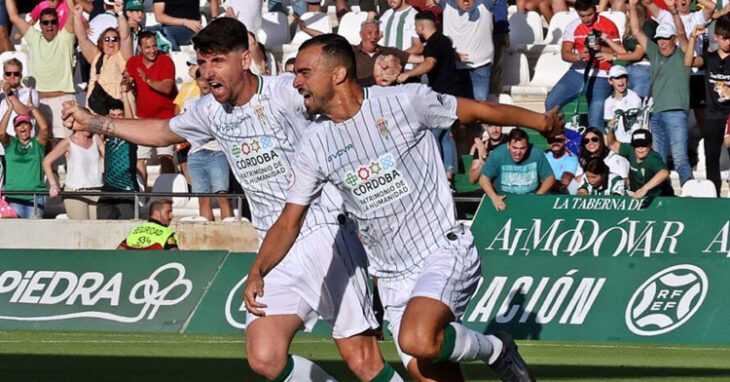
83	152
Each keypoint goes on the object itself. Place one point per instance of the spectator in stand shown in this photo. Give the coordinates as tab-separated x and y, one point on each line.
134	10
588	72
23	157
51	59
208	167
563	163
600	181
649	175
108	56
83	152
153	74
155	233
500	37
515	168
670	92
593	145
289	65
180	20
19	97
189	93
120	174
398	26
622	110
106	20
689	20
716	69
632	54
468	23
438	64
491	138
368	51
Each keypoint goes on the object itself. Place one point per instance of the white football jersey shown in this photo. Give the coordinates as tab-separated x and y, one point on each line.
386	164
259	140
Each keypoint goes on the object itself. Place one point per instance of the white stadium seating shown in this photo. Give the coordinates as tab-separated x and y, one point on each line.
698	188
274	29
525	28
557	25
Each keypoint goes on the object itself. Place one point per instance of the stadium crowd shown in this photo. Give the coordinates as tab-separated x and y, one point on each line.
117	58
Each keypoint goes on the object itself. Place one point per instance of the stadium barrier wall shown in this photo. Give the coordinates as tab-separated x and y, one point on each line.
555	268
107	234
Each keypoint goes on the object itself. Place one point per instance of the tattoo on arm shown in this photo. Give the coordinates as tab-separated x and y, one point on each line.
102	125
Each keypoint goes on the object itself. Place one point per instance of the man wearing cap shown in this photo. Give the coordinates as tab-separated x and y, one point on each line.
622	110
51	60
669	91
648	175
23	157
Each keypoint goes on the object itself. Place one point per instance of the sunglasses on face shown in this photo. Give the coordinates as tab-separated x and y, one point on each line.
556	140
592	139
49	22
12	74
111	39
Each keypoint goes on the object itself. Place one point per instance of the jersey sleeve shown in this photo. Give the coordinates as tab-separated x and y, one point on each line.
194	124
307	178
611	30
433	110
617	186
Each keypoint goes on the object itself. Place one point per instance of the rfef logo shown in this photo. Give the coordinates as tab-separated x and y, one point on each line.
667	300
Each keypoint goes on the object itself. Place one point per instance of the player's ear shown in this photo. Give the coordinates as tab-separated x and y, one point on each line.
339	75
245	60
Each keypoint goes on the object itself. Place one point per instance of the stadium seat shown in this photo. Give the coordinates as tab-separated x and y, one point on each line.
180	59
274	29
172	183
557	26
350	26
548	70
511	10
150	20
315	20
515	70
62	217
525	28
698	188
618	18
22	57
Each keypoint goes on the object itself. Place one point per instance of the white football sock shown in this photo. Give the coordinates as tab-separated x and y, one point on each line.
300	369
469	345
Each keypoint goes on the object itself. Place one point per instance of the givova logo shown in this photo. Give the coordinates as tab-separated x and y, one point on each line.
667	300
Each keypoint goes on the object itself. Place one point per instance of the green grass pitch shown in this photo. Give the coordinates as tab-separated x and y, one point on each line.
84	356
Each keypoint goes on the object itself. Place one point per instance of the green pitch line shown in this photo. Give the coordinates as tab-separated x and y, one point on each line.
83	356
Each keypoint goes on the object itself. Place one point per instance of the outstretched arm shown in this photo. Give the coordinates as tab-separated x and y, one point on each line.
44	134
471	111
689	58
145	132
15	17
88	48
279	239
634	21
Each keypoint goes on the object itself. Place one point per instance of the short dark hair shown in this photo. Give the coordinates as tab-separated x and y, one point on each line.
518	134
596	166
426	15
222	35
159	204
335	47
722	26
584	5
48	12
114	104
145	34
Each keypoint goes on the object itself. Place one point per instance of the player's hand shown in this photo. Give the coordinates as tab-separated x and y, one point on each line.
640	193
554	123
75	117
498	202
254	288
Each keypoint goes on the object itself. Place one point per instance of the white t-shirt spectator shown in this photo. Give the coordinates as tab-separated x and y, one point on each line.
26	96
470	31
627	111
249	13
99	24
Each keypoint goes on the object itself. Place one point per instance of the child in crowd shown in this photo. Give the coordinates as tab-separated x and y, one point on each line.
622	110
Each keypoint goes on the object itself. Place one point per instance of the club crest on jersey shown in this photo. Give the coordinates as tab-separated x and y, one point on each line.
259	110
377	183
256	160
382	124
